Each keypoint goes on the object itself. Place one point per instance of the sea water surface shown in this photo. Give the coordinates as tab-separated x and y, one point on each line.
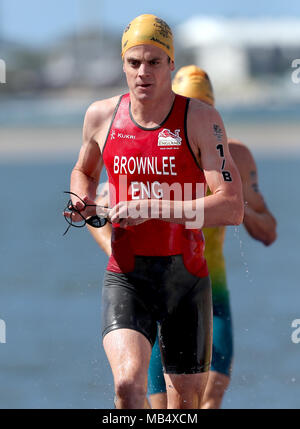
50	297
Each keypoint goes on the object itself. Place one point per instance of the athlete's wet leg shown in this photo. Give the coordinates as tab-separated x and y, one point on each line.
185	391
128	353
215	390
158	401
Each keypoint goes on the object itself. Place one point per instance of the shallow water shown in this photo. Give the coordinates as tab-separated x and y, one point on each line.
51	290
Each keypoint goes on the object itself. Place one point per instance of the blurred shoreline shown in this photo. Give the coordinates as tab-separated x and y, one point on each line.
62	143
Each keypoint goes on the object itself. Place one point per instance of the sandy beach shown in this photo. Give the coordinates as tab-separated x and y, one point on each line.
60	144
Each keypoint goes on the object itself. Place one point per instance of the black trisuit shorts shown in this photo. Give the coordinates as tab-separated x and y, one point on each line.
161	292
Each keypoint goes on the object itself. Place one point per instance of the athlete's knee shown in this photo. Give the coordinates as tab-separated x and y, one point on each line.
215	391
130	390
183	399
187	391
212	402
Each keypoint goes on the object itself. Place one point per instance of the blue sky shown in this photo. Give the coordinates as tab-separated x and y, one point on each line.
37	22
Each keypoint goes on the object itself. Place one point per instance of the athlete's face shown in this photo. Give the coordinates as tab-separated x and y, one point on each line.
148	72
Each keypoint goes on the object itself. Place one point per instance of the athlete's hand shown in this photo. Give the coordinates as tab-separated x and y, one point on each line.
128	213
86	210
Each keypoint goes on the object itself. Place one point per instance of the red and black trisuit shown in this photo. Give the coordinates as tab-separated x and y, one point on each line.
157	275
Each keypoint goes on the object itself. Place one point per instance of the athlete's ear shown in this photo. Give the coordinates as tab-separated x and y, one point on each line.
172	65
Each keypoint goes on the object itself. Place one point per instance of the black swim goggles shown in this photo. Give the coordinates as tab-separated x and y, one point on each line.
94	221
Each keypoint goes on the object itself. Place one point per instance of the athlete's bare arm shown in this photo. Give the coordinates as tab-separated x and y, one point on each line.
258	220
208	141
85	175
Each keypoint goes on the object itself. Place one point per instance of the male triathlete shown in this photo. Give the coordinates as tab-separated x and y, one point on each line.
151	141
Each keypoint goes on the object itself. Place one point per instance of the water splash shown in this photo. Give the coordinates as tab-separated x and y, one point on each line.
236	234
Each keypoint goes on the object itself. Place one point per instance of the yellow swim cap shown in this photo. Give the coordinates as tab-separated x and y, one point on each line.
148	30
191	81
